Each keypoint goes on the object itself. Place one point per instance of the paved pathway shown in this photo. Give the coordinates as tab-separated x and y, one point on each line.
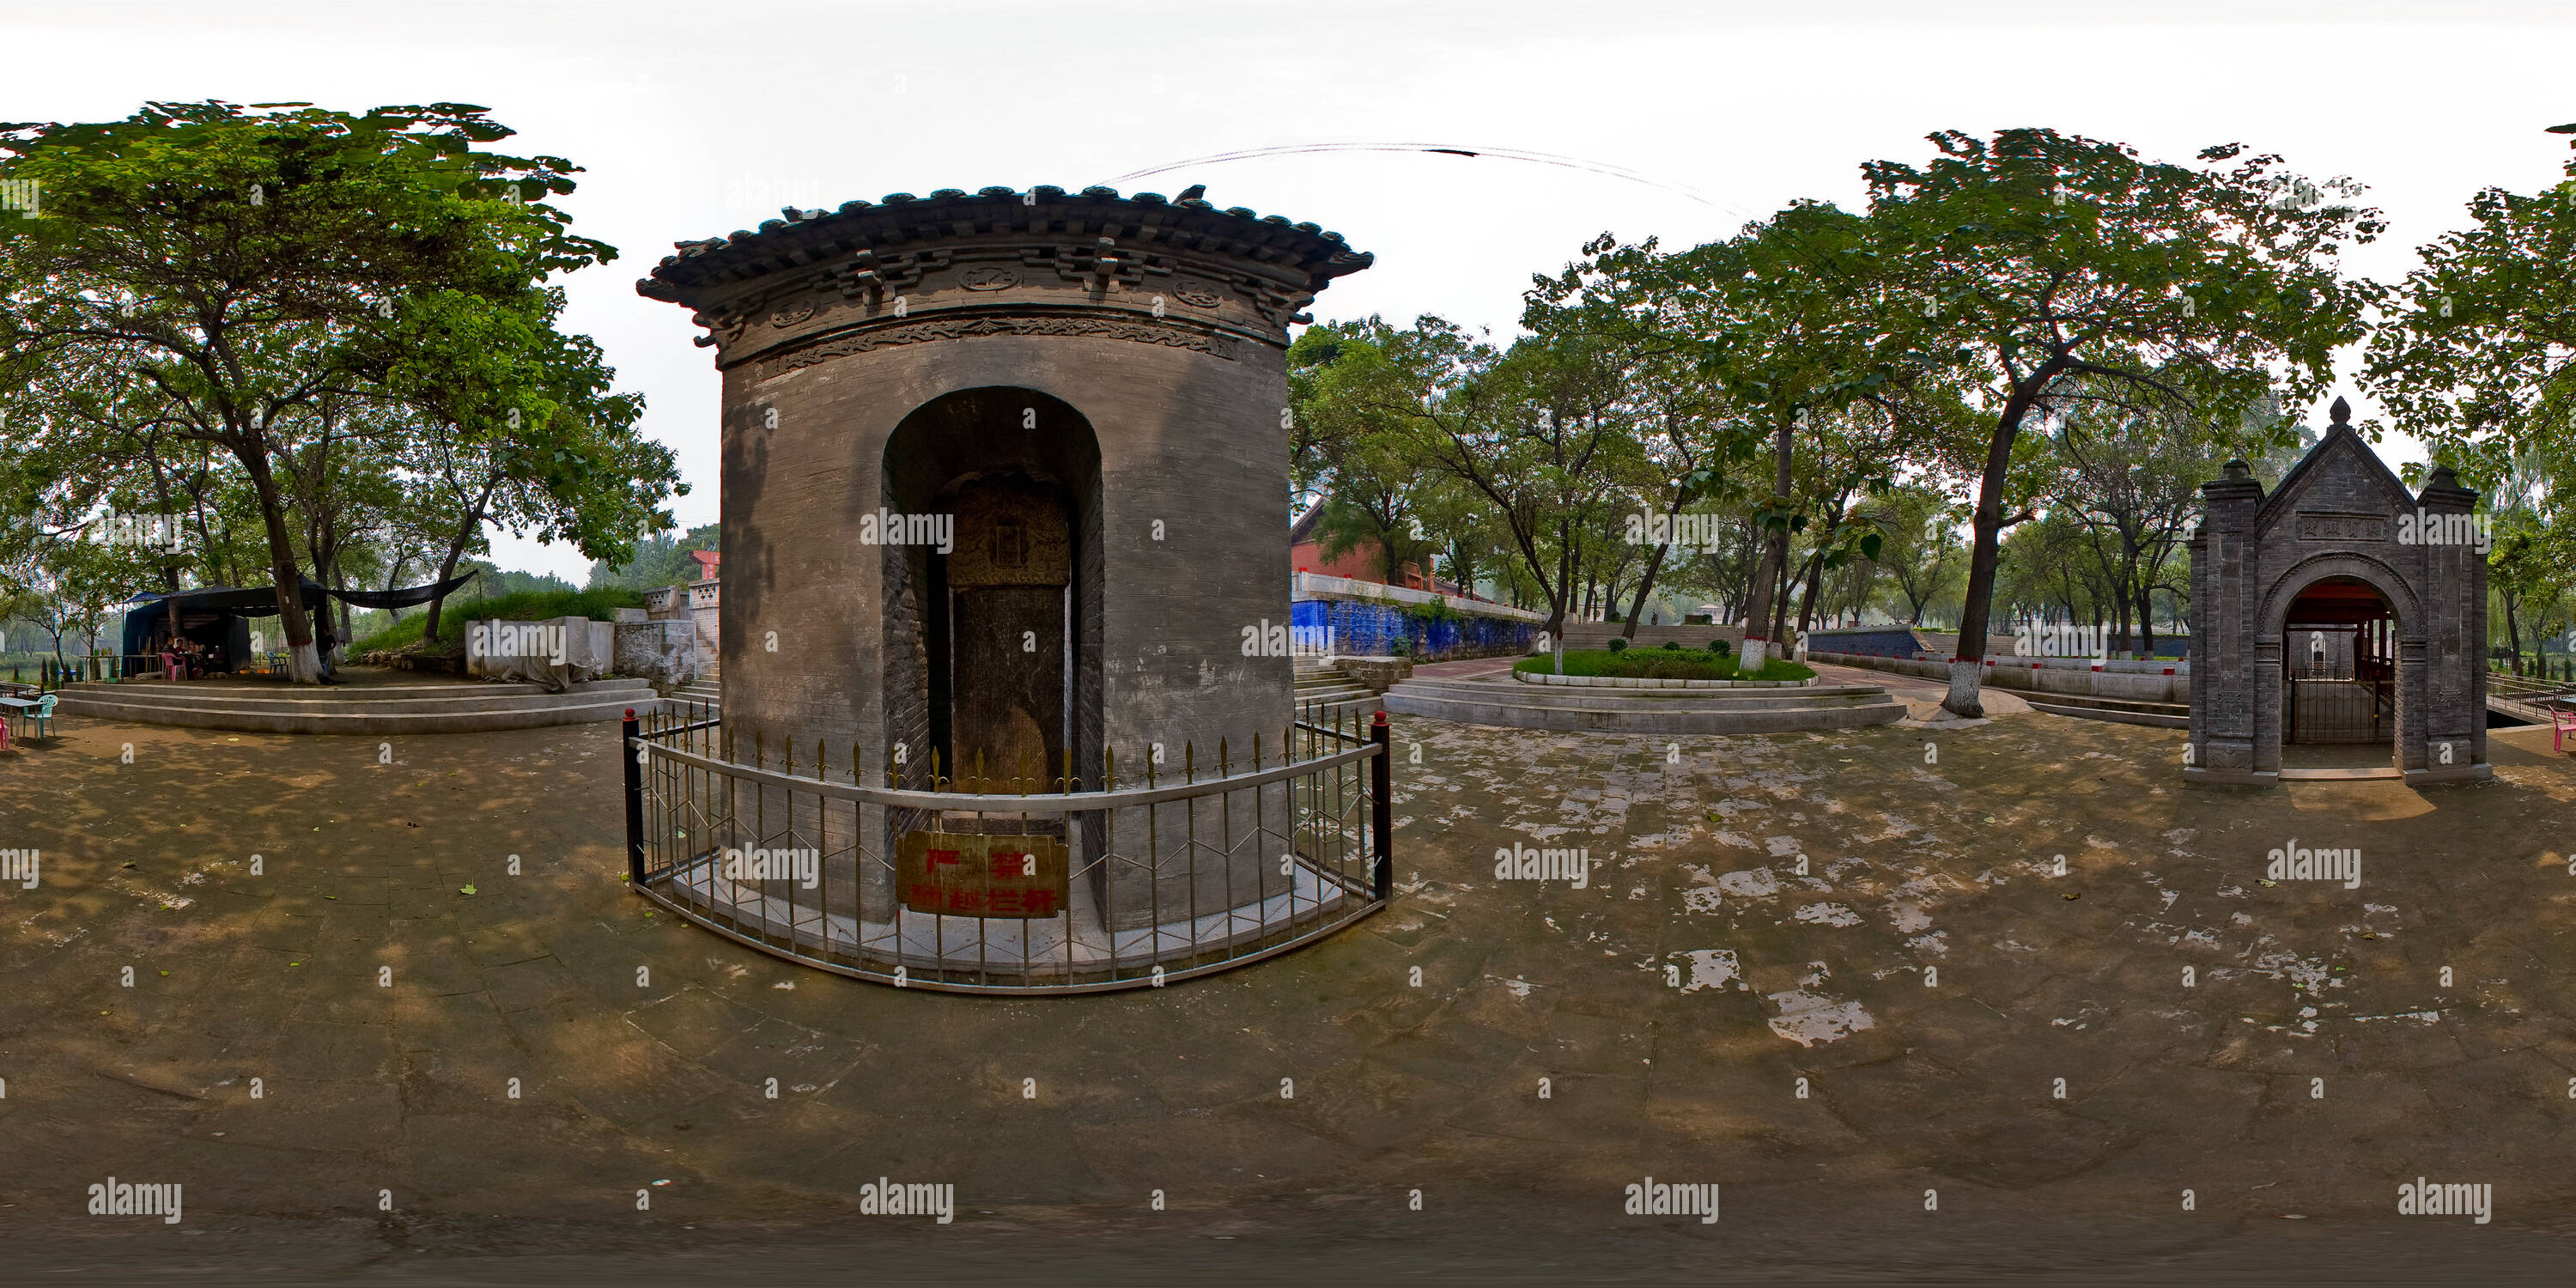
1671	1007
1466	669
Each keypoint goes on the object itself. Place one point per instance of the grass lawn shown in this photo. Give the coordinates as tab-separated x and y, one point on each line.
1662	664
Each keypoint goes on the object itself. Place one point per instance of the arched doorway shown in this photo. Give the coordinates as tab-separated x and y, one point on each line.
2340	696
989	529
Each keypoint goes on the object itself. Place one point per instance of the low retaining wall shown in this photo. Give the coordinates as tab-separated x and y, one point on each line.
1378	673
665	652
1648	682
2052	675
1999	642
1873	641
498	650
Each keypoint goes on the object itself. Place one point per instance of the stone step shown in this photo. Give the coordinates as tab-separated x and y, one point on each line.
472	721
1706	711
1363	702
1343	693
1592	699
455	709
1334	692
432	688
2160	715
369	700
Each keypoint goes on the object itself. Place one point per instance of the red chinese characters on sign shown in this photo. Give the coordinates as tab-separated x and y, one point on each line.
960	875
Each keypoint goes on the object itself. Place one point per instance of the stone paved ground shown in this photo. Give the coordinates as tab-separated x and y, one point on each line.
1672	1006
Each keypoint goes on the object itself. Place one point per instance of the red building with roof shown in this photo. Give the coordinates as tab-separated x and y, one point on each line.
1359	563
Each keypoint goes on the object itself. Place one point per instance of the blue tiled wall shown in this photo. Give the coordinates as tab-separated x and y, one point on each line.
1365	629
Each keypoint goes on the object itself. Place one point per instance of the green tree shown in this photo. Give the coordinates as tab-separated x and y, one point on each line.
1690	449
1535	431
2478	359
2523	569
1353	452
660	560
248	265
518	427
1782	320
69	583
2130	480
1923	557
2042	269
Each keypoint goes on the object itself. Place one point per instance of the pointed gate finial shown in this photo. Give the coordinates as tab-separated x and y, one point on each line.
2341	411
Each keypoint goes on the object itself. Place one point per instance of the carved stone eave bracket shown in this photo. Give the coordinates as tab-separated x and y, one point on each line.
871	277
1097	264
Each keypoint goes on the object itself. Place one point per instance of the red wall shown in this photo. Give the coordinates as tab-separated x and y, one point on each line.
1360	563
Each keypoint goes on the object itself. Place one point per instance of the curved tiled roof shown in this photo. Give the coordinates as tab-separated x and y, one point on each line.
1145	219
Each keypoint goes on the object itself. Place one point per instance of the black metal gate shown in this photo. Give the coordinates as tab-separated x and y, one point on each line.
2336	688
2338	710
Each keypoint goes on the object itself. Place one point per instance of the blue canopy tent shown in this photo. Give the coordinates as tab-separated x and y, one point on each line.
219	616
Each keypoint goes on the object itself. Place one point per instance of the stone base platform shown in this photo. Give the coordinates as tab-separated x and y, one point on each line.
1071	952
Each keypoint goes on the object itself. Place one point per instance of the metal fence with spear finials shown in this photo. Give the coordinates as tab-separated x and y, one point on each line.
965	878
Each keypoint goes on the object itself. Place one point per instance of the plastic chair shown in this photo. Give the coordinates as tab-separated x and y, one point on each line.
43	715
2561	724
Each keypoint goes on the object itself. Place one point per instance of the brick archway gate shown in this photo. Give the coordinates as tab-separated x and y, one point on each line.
2341	548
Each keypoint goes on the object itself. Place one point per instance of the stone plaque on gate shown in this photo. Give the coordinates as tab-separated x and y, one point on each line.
2321	526
962	875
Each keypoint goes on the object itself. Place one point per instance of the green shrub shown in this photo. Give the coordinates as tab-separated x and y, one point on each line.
1720	647
1618	645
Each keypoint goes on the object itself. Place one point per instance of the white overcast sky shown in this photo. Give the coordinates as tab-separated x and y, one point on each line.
696	119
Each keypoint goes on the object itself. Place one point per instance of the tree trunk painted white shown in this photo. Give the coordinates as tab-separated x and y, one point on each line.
1964	676
1752	656
304	663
